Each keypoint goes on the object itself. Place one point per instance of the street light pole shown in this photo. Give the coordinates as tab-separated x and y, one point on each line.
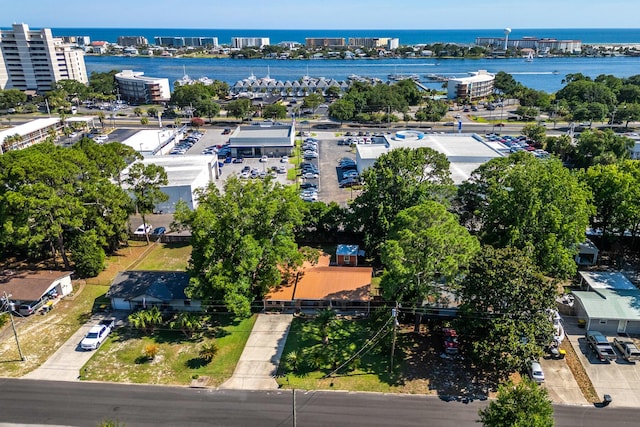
394	314
13	326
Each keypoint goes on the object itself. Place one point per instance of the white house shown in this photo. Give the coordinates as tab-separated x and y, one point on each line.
29	286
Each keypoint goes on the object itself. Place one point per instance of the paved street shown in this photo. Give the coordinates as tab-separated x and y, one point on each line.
86	404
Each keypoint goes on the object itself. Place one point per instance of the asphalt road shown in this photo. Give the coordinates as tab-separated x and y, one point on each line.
28	402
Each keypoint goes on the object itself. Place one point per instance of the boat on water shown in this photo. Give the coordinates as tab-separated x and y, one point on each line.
399	77
529	57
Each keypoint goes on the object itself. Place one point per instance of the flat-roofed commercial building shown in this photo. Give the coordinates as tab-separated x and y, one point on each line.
185	174
465	152
325	42
30	133
273	140
135	87
478	85
35	60
242	42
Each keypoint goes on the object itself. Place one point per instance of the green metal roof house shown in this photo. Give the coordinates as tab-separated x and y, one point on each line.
611	303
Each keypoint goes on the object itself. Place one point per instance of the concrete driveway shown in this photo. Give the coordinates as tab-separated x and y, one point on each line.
619	379
259	361
560	383
66	362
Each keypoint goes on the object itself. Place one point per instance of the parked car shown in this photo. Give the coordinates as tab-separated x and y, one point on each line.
238	160
158	231
350	174
284	159
450	341
349	182
310	175
143	229
600	346
27	309
535	372
627	348
282	169
97	334
264	159
226	131
307	185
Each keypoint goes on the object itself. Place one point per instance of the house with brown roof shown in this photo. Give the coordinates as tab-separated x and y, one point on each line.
29	286
318	286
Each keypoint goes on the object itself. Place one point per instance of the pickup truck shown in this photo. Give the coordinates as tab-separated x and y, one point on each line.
600	346
97	334
629	350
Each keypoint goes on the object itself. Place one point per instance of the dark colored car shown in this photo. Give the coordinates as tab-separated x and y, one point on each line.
226	131
158	231
349	182
308	185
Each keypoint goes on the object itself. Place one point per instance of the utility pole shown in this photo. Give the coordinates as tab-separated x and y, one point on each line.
394	314
13	326
295	420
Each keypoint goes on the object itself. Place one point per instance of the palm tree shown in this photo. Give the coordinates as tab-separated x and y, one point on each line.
188	323
101	119
147	320
137	111
325	318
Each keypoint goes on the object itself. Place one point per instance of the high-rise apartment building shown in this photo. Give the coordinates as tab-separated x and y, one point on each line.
242	42
34	60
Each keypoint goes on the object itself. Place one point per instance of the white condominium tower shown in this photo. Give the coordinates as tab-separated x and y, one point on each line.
33	60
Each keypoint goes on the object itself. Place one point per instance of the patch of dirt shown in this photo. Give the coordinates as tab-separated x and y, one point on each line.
579	373
430	371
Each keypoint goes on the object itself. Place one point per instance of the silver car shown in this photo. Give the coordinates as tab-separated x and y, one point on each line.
535	372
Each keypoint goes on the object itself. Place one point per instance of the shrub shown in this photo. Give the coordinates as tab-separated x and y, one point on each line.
208	351
151	350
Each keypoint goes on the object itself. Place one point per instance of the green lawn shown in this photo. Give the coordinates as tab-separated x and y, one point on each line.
41	335
369	374
166	256
120	358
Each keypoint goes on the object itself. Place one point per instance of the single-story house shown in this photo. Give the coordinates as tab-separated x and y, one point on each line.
610	304
29	286
319	286
134	290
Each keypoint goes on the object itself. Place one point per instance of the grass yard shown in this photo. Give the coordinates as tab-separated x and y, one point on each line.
166	256
41	335
121	359
348	336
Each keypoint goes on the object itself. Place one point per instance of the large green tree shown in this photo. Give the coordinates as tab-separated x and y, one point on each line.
426	245
504	316
519	405
239	108
398	180
601	147
532	204
243	241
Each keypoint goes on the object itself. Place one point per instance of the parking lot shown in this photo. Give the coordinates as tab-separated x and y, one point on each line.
620	379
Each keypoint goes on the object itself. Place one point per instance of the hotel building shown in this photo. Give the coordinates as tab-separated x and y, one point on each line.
135	87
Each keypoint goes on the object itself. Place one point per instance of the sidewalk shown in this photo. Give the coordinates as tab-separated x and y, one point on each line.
259	361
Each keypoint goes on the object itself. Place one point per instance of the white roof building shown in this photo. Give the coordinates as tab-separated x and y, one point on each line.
31	132
478	85
151	142
465	152
186	174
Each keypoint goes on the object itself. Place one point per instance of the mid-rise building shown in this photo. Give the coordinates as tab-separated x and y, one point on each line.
242	42
135	87
186	41
127	41
538	44
33	60
325	42
374	42
478	85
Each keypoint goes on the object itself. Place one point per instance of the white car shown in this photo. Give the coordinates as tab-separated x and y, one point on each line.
535	372
282	169
143	229
264	159
310	175
284	159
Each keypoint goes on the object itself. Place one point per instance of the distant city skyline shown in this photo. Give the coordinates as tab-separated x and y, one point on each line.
329	14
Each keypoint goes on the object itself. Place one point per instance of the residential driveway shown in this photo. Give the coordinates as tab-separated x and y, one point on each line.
560	383
66	362
619	379
259	361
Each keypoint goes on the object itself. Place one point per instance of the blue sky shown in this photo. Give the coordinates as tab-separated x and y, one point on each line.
324	14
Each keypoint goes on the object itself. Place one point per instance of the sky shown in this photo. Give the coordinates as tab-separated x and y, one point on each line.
324	14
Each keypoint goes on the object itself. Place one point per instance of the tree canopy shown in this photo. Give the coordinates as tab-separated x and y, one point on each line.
243	241
522	405
601	147
398	180
532	204
504	315
425	245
